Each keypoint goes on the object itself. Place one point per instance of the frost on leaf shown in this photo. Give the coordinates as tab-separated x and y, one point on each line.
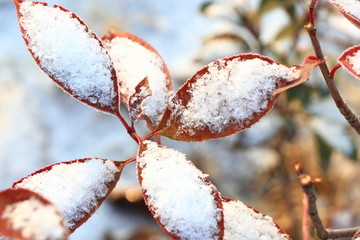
25	215
227	96
134	59
356	236
77	188
180	197
350	60
142	91
245	223
69	53
350	9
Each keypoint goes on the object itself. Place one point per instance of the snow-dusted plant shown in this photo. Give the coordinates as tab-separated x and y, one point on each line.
223	98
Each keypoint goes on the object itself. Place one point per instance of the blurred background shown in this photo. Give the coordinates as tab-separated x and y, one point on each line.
41	125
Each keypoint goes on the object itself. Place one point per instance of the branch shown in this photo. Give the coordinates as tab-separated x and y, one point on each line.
305	219
352	119
130	129
308	185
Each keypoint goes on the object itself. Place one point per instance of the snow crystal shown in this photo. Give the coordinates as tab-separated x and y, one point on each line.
177	193
68	52
242	222
133	62
351	7
35	220
230	93
74	188
354	61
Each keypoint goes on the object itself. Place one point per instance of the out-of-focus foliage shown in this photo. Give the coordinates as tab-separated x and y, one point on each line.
305	125
255	165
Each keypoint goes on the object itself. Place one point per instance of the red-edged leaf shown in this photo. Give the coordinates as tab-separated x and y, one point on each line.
25	215
142	91
134	59
77	188
181	198
350	60
350	9
71	54
305	70
356	236
226	97
245	223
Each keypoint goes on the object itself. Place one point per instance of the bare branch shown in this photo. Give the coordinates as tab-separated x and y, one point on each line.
305	219
308	185
352	119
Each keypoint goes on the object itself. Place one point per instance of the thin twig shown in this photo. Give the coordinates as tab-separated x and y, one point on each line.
122	164
334	69
130	129
308	185
311	10
305	219
352	119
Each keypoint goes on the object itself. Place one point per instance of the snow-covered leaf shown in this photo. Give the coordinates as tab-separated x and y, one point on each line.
245	223
356	236
25	215
350	60
134	59
142	91
71	54
180	197
77	188
350	9
228	96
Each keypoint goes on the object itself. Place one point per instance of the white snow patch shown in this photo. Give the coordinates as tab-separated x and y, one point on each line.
35	220
74	188
177	193
354	61
133	62
230	93
242	222
351	7
68	53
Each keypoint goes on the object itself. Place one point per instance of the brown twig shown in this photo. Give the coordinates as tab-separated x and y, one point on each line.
307	183
130	129
122	164
305	219
352	119
311	10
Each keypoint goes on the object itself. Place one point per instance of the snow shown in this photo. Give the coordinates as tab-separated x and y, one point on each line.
242	222
230	93
177	193
351	7
47	126
74	188
354	61
133	62
35	220
68	52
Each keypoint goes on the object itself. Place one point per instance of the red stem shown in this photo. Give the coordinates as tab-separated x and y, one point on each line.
311	11
334	69
124	163
352	119
130	129
158	138
150	135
